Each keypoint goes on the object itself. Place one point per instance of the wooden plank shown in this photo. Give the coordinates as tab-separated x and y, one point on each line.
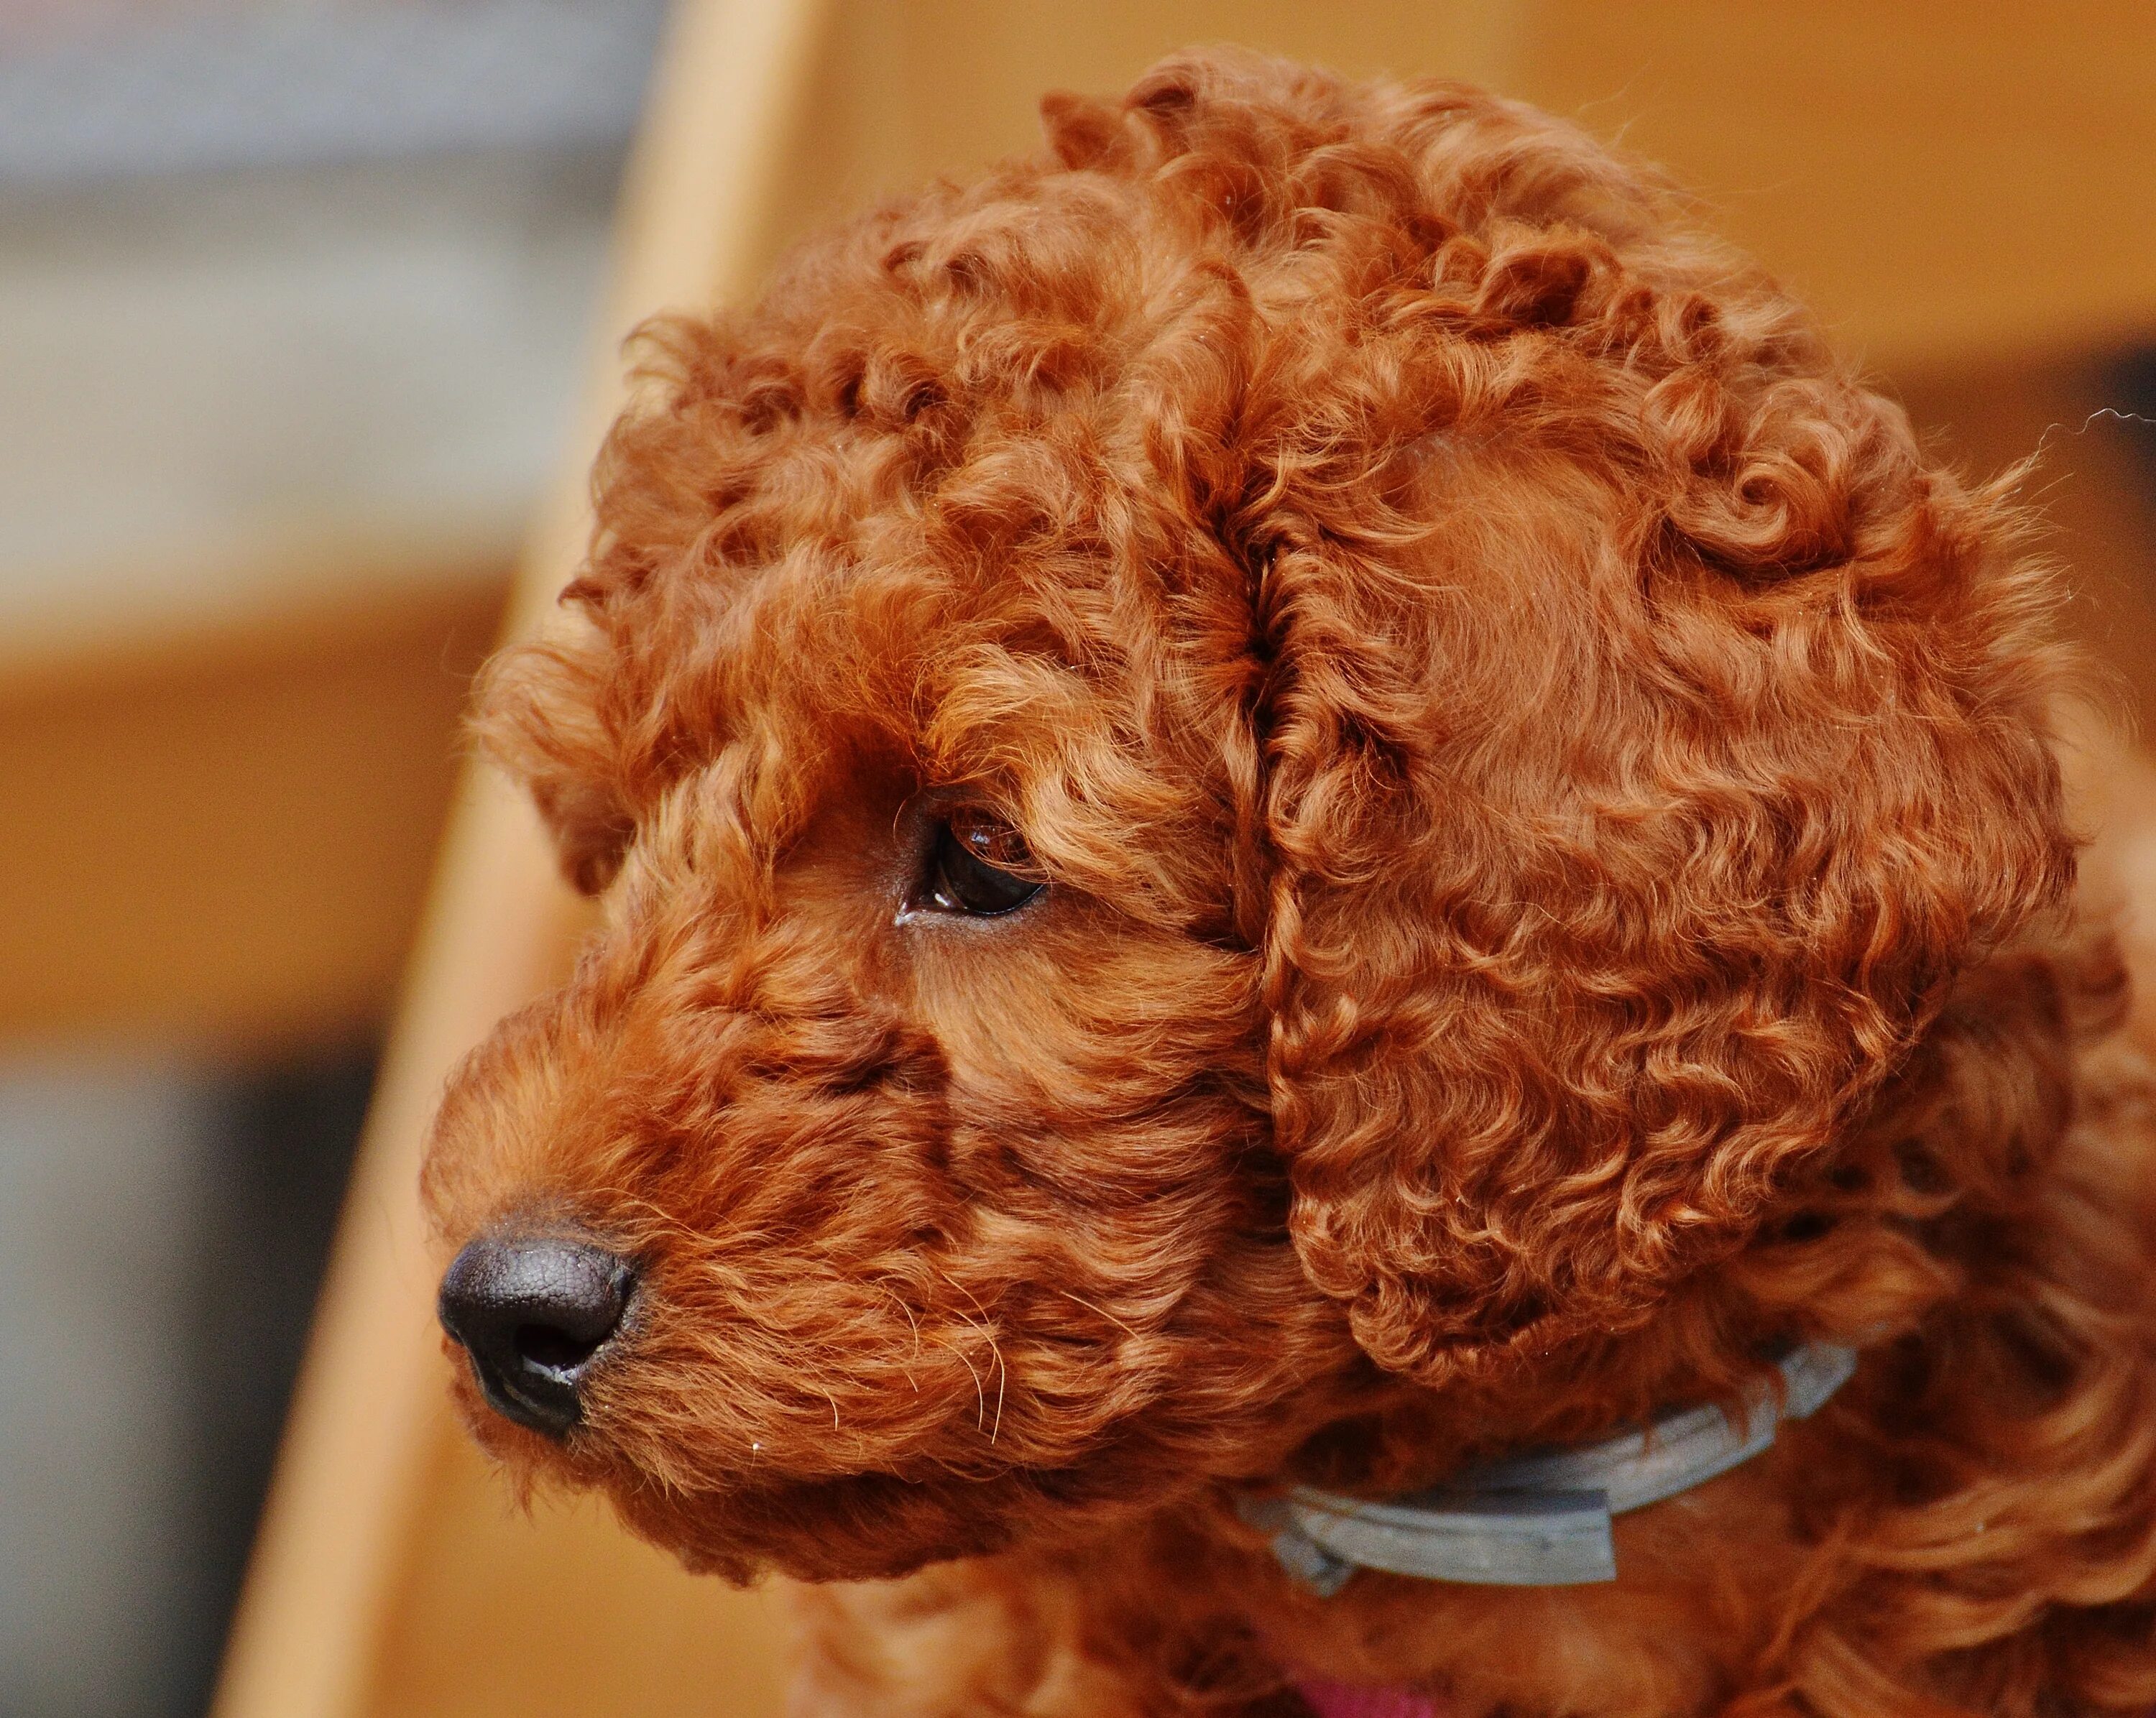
555	1613
225	842
339	1529
1946	185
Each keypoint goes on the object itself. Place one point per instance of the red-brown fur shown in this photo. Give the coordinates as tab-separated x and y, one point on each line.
1557	884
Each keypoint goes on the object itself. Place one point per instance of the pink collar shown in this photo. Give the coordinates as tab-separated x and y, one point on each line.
1339	1700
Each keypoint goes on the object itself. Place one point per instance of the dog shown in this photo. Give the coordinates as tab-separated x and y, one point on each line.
1286	803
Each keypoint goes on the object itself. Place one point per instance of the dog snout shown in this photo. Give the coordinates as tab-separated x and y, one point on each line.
532	1311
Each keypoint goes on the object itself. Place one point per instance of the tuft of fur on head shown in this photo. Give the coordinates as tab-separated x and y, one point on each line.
1533	772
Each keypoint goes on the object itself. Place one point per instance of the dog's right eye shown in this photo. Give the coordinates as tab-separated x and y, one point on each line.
979	866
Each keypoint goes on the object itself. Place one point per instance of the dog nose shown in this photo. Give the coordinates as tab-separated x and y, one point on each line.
532	1311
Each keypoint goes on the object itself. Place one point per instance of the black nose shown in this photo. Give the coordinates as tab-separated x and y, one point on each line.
532	1311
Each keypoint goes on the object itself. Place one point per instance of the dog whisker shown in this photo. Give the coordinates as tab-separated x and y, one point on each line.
1100	1311
980	1395
899	1298
988	1334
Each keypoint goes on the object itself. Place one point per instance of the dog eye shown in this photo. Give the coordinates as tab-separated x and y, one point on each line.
979	865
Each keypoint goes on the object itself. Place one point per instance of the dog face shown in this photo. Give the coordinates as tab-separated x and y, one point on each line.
938	1139
1296	747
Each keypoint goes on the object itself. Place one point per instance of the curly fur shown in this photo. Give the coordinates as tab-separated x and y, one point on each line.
1557	885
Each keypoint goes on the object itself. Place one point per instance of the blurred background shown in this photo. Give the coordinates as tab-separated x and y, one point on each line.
296	297
293	300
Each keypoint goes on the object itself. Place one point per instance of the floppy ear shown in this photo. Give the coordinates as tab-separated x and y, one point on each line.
539	715
590	715
1620	854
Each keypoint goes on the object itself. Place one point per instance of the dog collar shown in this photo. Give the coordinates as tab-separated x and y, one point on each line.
1542	1519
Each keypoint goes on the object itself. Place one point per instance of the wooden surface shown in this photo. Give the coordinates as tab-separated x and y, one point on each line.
1946	184
227	842
1951	197
560	1612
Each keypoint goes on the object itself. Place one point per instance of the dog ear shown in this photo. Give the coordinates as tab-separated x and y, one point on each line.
538	715
1616	862
584	715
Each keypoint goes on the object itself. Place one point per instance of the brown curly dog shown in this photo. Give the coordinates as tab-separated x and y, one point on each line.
1300	794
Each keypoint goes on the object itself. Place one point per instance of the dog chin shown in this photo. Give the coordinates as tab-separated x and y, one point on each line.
866	1527
855	1527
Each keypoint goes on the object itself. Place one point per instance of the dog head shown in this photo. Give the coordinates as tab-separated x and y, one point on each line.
1300	743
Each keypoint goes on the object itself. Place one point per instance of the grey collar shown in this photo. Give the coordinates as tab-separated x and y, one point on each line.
1541	1519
